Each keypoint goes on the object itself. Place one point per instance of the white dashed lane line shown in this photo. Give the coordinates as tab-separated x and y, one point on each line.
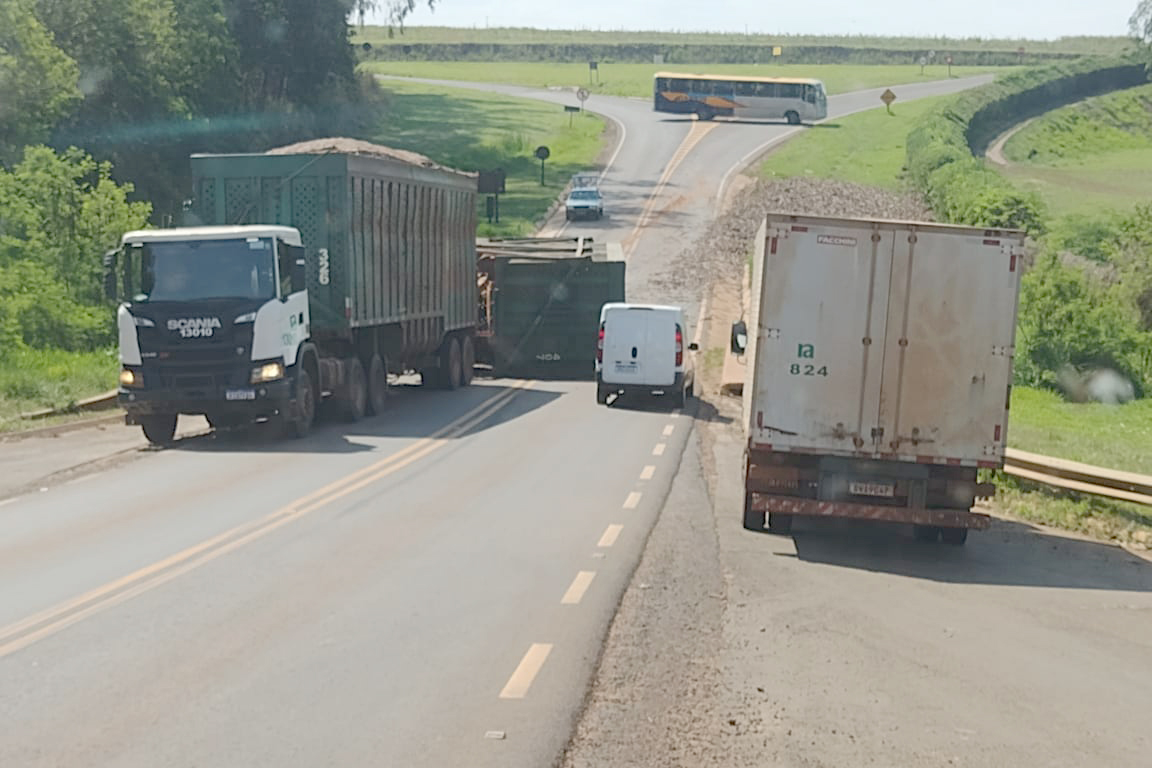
611	533
648	472
633	500
659	449
578	587
521	680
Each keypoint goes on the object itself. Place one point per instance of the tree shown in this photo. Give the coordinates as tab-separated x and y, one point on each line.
38	80
396	10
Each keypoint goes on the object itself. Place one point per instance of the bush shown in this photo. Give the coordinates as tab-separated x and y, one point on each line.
940	148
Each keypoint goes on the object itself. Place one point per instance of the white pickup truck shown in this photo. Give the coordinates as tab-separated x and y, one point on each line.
878	371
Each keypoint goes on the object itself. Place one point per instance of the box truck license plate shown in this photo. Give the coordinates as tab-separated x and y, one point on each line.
872	489
240	394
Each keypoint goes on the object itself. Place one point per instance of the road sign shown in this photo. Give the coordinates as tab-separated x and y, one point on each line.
542	154
949	60
931	55
582	94
777	50
888	97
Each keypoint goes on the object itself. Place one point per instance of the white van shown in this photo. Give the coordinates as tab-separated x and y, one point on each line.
642	351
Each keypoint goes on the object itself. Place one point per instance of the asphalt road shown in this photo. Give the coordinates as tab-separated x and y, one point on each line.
431	587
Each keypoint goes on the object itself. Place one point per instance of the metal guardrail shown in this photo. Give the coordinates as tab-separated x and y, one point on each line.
1081	478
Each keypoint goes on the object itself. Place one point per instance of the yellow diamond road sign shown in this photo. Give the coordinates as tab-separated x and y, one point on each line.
888	97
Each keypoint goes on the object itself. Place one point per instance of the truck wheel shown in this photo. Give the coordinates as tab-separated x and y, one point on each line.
354	399
377	385
954	536
299	423
781	524
926	533
450	364
753	521
467	361
160	428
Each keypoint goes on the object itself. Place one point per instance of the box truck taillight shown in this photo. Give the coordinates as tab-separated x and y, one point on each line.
679	347
600	345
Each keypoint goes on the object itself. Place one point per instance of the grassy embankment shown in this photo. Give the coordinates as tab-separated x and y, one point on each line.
632	79
1091	157
868	148
375	35
460	128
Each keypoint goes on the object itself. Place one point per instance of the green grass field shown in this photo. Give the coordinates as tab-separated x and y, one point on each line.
866	148
377	35
35	379
473	131
1091	157
635	80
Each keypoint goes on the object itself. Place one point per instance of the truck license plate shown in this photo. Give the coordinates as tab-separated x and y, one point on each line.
872	489
240	394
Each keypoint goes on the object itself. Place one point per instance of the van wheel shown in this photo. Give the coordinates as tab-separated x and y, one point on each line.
160	428
377	385
467	361
679	399
602	394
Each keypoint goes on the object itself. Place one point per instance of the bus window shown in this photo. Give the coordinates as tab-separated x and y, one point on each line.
661	84
677	86
810	94
790	91
766	90
744	89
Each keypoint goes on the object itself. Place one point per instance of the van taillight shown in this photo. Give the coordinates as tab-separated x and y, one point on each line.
679	346
600	345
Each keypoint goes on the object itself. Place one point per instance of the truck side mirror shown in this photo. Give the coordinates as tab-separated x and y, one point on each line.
739	337
110	259
299	276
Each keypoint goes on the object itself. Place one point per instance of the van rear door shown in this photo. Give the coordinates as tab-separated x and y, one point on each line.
639	347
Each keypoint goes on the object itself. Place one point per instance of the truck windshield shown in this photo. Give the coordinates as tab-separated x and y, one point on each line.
584	194
194	270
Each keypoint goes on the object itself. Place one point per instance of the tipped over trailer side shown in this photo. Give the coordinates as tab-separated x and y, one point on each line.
353	260
878	371
540	301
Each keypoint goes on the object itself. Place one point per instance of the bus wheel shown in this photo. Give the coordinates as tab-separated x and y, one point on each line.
705	114
792	117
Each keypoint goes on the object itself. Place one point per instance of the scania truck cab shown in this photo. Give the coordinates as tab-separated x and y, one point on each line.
212	321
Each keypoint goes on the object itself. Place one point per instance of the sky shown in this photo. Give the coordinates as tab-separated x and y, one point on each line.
1029	19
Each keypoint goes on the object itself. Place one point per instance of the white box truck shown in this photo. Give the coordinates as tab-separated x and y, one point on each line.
879	369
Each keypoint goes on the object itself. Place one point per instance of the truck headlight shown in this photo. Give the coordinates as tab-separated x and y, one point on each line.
268	372
131	379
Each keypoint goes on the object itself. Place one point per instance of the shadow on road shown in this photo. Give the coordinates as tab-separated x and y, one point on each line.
411	413
1008	554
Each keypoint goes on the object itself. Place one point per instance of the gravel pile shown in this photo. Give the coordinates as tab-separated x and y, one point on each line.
722	252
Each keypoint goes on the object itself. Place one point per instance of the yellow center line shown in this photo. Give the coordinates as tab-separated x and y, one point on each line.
695	135
52	620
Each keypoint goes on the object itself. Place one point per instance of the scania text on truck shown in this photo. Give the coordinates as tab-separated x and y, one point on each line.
878	371
313	272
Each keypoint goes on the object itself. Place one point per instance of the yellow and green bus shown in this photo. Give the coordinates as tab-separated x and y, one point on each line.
796	100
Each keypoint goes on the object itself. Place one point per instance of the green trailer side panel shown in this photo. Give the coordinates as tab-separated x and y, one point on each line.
546	313
387	243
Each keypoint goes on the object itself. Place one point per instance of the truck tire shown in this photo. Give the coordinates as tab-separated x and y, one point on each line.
753	521
299	422
954	536
377	385
467	360
354	398
450	364
159	428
